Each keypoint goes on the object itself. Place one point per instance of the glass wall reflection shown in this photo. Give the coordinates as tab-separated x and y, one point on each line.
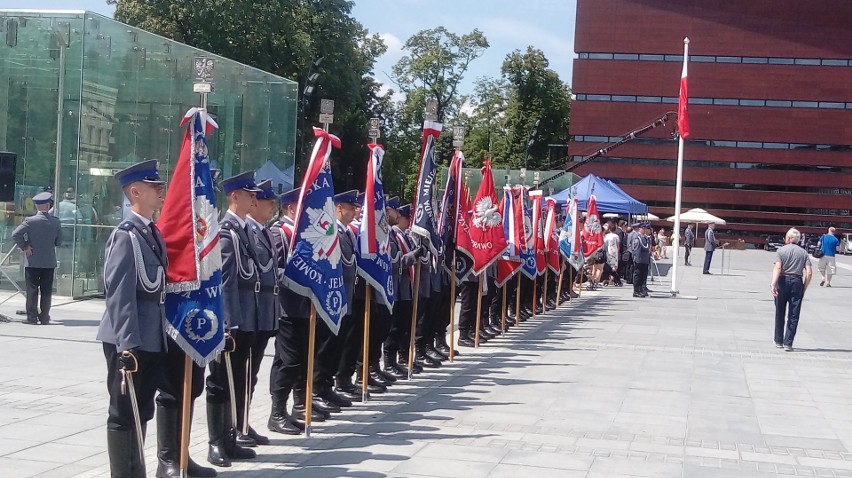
82	96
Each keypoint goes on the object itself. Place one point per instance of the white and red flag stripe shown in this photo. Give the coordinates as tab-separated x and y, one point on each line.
683	100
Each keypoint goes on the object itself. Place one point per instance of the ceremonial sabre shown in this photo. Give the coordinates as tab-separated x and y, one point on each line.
230	372
128	387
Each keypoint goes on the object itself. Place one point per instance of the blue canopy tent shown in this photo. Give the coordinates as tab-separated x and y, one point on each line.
610	197
281	180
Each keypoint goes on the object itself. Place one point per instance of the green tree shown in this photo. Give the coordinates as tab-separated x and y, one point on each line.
486	132
536	93
285	37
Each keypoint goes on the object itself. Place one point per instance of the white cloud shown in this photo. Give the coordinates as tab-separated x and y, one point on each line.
396	96
393	43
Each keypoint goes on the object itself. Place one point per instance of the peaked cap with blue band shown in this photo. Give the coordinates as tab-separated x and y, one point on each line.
290	196
244	181
405	211
392	202
266	191
349	197
144	171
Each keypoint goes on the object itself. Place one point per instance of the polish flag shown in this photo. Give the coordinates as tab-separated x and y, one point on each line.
683	99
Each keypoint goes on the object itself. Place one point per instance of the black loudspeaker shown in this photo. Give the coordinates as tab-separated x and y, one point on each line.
8	164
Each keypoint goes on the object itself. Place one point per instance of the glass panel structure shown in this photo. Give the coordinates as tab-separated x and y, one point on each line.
82	96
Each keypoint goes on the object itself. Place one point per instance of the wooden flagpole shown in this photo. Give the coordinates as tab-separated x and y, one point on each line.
309	386
186	418
518	299
478	312
535	284
416	296
365	356
544	289
559	284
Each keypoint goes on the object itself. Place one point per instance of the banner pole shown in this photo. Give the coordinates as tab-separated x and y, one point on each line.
535	286
453	309
544	289
678	193
365	356
185	415
559	284
478	312
503	310
414	319
518	299
309	386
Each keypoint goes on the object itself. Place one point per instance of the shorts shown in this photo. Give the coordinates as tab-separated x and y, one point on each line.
826	262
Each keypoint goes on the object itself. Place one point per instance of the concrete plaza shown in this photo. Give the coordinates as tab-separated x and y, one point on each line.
606	386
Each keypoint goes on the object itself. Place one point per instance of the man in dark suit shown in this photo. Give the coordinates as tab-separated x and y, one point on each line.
688	244
710	245
39	236
132	332
240	286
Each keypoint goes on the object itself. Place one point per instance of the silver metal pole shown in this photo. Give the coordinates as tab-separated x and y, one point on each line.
60	115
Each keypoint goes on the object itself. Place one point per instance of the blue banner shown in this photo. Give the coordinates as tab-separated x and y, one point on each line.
315	266
425	223
189	221
372	249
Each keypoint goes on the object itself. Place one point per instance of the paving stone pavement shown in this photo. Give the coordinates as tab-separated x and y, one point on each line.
606	386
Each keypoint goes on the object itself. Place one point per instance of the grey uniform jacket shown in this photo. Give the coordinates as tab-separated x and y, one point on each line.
292	304
42	232
347	255
268	309
405	289
135	265
239	275
689	238
709	240
639	246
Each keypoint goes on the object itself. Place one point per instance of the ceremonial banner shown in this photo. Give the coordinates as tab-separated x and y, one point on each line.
538	231
592	230
372	248
550	244
190	227
425	223
464	256
486	224
528	250
447	220
569	237
510	263
315	266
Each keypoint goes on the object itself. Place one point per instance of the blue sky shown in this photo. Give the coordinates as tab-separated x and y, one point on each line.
508	24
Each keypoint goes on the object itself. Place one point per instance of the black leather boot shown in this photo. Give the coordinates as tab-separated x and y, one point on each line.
235	451
420	358
442	346
373	385
297	414
168	450
279	419
403	361
391	365
387	376
465	338
327	392
435	354
123	454
344	388
216	431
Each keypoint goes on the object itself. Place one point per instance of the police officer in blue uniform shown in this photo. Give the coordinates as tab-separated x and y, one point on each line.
289	364
132	332
38	237
240	287
268	308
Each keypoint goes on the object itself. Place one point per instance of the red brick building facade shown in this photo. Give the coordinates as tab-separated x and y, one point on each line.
770	86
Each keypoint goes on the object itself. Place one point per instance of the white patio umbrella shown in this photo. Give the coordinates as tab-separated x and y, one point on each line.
699	216
646	217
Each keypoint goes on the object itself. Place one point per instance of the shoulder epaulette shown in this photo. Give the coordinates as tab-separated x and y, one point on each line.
126	226
227	225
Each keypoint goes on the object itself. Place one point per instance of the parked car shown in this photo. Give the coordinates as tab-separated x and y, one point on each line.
846	244
772	243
